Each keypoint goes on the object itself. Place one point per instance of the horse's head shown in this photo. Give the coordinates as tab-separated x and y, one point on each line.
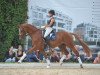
25	29
22	32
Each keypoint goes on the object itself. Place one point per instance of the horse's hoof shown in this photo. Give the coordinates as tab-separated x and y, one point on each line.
48	66
61	64
19	62
81	66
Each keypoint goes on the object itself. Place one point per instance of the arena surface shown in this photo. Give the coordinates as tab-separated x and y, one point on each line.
40	69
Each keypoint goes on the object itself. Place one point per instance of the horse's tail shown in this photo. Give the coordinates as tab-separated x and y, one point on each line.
84	45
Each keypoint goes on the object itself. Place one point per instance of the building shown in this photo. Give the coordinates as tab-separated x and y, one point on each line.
88	32
39	17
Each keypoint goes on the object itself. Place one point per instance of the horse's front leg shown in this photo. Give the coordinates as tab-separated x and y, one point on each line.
22	58
25	54
47	59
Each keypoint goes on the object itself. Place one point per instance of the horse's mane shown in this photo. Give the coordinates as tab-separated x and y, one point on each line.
30	26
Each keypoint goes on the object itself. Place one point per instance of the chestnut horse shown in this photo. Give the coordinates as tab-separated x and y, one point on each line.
63	40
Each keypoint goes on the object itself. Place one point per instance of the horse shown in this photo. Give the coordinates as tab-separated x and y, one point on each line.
63	39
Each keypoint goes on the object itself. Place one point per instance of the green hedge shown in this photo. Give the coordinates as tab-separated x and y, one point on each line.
12	13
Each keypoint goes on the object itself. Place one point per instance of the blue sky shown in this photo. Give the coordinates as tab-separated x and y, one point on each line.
79	10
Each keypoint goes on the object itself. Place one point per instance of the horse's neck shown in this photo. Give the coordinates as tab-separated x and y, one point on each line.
34	31
30	29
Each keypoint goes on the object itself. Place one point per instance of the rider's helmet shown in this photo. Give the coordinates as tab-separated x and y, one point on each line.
52	12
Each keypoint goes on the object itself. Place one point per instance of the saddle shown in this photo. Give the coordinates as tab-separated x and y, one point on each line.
51	36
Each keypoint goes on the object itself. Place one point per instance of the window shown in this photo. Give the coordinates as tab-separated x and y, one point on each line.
87	32
90	35
38	9
56	14
44	10
91	32
95	32
35	14
95	36
59	15
69	28
41	15
61	25
70	22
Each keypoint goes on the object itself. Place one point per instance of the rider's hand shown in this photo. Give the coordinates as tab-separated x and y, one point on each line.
46	26
42	27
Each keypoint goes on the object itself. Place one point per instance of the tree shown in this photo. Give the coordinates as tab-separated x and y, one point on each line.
12	13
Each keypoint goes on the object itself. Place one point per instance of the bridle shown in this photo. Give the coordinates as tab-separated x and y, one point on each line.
21	29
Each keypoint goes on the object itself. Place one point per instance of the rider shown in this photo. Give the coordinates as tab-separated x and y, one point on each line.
50	23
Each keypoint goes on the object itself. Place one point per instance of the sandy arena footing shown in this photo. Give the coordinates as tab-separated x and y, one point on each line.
40	69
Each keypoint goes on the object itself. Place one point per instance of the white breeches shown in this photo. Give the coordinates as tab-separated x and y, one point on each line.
48	31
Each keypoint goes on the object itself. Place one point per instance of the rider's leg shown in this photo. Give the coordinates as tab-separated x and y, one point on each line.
48	31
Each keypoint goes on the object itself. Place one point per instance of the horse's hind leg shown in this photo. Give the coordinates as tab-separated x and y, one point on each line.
72	46
64	53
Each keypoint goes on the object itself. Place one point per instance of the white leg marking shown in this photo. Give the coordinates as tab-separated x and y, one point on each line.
22	58
48	63
79	60
62	58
